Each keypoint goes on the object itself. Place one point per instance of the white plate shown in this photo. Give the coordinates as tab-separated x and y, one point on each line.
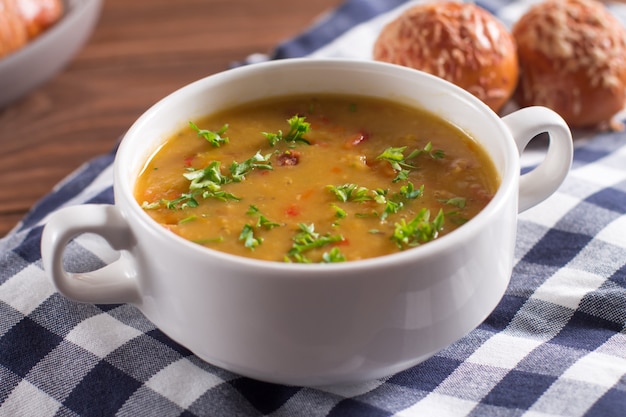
43	57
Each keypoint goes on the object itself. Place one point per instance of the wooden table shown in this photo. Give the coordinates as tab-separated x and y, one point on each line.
140	51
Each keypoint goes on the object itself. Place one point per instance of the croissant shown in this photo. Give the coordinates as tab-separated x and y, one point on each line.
23	20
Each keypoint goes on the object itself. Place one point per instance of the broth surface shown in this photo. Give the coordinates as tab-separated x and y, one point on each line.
360	178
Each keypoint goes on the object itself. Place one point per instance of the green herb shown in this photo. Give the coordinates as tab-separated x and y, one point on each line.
409	191
350	192
249	240
273	138
207	182
455	216
391	207
339	212
209	240
307	239
209	178
458	202
417	231
400	163
297	128
436	154
395	156
188	219
150	206
380	195
184	201
334	255
393	204
215	138
262	220
297	258
238	171
403	175
247	235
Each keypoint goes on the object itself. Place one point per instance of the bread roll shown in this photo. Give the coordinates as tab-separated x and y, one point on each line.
459	42
572	55
23	20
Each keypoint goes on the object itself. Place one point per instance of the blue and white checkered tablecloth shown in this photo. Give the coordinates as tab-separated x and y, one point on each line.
554	346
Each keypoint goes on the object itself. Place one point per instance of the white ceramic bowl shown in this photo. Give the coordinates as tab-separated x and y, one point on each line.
312	324
38	61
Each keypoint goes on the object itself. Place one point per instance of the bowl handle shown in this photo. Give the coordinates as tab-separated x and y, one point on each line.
538	184
112	284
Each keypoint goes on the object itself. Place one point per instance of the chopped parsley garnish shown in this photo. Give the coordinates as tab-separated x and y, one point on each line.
307	239
400	163
250	241
238	171
391	207
262	220
458	202
247	235
395	156
409	191
334	255
297	128
188	219
215	138
208	241
209	178
339	212
207	182
455	215
393	204
350	192
417	231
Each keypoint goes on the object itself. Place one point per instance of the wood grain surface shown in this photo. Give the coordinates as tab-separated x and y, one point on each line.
140	51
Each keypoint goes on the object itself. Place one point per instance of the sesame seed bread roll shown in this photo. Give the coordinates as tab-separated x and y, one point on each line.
459	42
572	56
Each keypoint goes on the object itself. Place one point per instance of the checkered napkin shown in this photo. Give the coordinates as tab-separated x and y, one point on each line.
554	346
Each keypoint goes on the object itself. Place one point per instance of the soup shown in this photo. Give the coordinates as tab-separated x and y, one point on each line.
323	178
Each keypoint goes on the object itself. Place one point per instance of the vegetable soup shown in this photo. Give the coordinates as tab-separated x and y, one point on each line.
324	178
